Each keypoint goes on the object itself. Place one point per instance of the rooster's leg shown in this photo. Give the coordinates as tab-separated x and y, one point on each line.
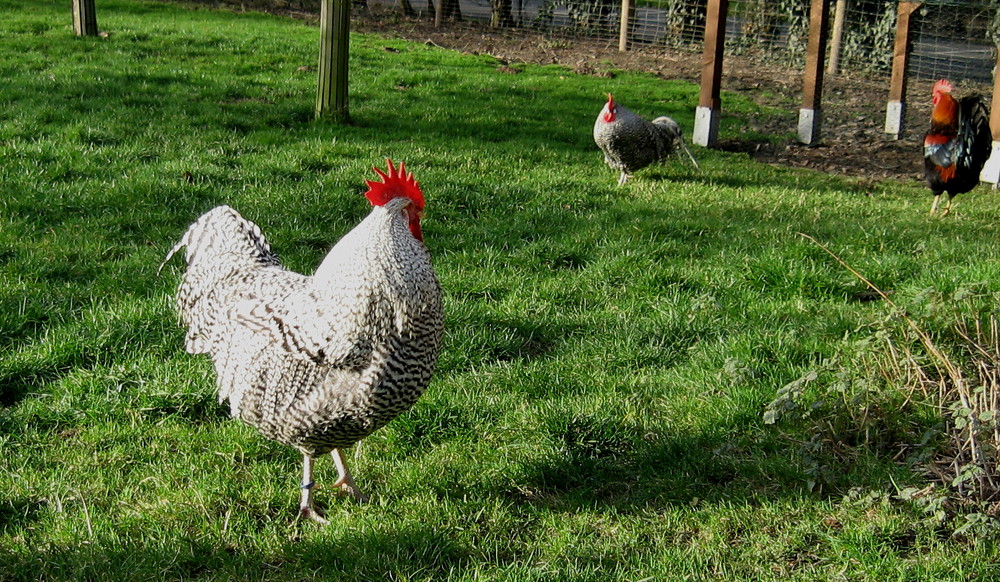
947	206
937	199
622	178
306	508
344	480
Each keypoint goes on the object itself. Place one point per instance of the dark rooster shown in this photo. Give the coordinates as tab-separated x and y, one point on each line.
957	144
631	143
316	362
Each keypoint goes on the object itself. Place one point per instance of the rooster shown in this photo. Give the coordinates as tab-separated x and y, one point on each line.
317	362
631	143
957	144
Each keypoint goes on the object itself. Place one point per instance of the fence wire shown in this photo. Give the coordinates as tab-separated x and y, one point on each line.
953	38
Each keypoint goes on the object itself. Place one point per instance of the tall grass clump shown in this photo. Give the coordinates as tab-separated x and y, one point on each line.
921	387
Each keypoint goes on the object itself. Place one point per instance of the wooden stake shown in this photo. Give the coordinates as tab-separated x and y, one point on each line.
84	18
991	171
623	29
331	92
837	38
896	108
995	110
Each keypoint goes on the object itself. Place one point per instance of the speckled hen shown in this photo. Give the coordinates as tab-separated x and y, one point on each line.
317	362
630	143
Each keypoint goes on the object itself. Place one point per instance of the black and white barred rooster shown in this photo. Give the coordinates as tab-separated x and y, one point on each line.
630	143
317	362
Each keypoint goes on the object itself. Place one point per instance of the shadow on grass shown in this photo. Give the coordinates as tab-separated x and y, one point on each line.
634	476
421	551
13	391
25	380
18	513
388	554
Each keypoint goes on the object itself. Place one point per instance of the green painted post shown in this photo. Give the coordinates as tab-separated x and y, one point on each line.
84	18
334	31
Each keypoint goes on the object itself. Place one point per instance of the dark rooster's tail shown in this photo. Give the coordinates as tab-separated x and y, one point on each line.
975	138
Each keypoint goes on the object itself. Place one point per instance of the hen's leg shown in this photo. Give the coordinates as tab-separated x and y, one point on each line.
623	178
306	508
344	480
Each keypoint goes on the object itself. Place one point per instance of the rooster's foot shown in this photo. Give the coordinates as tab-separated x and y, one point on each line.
345	483
313	514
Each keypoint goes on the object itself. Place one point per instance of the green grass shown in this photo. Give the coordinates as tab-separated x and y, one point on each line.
597	413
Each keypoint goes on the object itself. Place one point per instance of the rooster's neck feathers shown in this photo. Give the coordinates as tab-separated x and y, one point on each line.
945	111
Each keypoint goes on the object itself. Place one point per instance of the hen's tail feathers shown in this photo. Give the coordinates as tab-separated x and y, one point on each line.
677	137
222	235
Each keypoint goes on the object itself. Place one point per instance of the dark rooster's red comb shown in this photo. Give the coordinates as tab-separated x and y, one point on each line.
942	86
394	184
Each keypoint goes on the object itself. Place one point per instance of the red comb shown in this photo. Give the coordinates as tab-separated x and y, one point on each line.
394	184
942	86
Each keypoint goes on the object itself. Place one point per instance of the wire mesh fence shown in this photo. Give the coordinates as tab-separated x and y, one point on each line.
957	40
954	38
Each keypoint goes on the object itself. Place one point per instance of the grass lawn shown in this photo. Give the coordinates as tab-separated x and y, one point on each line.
610	352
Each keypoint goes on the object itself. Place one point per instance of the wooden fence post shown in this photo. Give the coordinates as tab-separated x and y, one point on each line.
84	18
837	38
706	116
811	113
991	171
334	31
896	108
623	29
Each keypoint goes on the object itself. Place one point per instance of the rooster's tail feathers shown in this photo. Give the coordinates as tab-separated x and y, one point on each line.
223	235
668	125
974	132
223	249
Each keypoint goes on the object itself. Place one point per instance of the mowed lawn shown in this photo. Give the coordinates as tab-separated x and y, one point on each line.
598	410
